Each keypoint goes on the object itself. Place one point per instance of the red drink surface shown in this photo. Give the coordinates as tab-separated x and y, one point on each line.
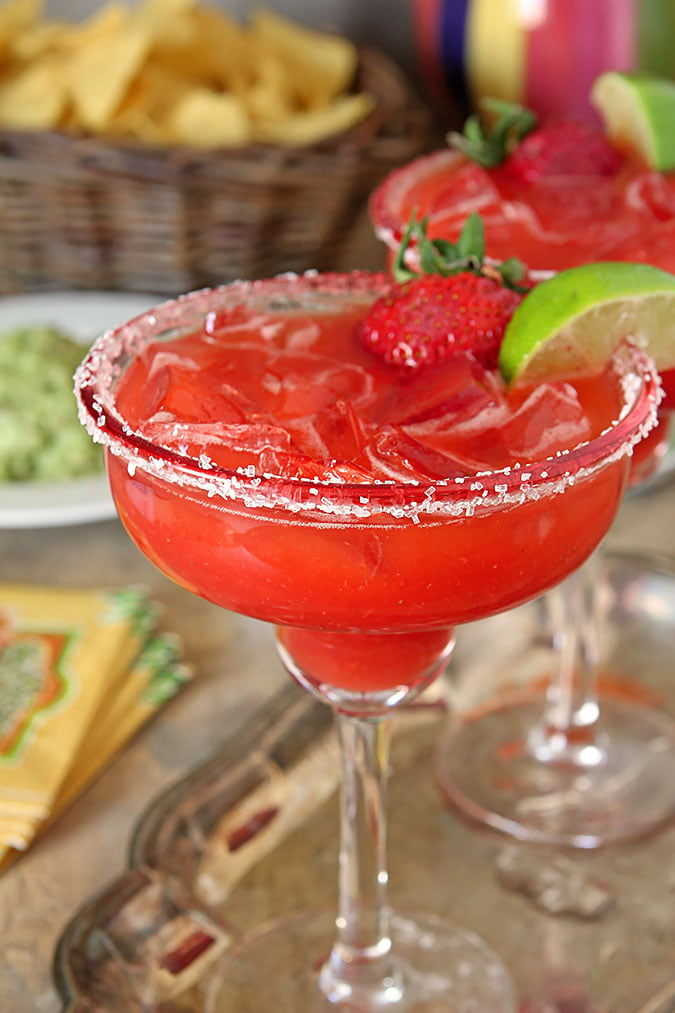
298	396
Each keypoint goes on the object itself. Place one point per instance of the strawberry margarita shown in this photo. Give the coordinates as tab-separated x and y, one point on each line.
560	196
604	206
262	457
262	454
565	196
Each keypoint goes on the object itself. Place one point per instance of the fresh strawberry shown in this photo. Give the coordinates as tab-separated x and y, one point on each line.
427	319
527	150
454	304
565	148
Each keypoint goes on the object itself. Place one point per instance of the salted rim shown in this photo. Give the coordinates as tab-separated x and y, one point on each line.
96	377
386	223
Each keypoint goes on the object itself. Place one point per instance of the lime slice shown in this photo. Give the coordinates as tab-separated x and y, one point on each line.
639	115
573	322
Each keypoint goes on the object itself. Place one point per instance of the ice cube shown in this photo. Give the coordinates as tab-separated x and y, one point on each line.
293	329
549	420
458	385
593	207
237	324
470	189
651	191
655	245
308	383
465	427
216	388
335	434
395	455
296	465
150	377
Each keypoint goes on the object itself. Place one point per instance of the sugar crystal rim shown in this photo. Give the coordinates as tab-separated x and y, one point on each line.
386	222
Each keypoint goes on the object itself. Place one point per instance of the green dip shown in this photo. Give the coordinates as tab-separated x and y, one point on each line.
41	438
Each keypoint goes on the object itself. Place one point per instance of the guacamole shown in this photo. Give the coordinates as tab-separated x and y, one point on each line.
41	438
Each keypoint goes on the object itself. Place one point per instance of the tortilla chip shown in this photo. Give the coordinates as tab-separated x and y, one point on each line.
108	20
211	49
323	65
164	20
34	99
272	96
174	71
17	16
101	74
149	99
40	41
310	127
206	120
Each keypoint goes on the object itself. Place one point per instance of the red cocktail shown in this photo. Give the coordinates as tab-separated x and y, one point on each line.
263	459
603	206
553	222
616	209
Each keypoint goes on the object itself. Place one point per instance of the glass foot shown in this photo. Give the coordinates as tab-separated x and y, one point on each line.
436	968
619	787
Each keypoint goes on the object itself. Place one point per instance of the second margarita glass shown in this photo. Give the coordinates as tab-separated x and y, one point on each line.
575	766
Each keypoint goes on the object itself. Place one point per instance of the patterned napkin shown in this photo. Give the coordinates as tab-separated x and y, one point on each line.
80	673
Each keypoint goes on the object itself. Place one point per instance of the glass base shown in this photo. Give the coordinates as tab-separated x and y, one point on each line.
620	787
436	968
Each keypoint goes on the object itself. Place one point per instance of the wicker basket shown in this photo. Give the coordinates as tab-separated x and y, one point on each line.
83	213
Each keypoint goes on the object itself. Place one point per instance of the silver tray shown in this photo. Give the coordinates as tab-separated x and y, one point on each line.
253	834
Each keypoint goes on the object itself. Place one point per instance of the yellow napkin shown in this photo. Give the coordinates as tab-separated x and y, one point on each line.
155	677
80	672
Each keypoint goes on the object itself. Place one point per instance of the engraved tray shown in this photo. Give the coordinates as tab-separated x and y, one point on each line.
253	834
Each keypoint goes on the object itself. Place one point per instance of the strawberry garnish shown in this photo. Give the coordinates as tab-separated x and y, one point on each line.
455	304
426	320
565	148
490	147
528	150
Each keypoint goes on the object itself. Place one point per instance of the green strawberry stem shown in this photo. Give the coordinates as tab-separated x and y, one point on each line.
440	256
493	146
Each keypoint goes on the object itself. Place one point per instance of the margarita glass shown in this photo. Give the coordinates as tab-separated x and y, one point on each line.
236	424
593	769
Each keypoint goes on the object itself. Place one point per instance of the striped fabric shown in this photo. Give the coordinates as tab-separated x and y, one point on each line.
544	53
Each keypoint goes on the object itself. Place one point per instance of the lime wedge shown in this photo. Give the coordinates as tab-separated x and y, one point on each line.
573	322
639	115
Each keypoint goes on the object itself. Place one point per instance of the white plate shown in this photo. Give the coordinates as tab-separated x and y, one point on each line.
83	315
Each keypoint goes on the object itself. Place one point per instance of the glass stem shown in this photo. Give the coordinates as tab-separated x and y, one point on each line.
568	731
360	966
